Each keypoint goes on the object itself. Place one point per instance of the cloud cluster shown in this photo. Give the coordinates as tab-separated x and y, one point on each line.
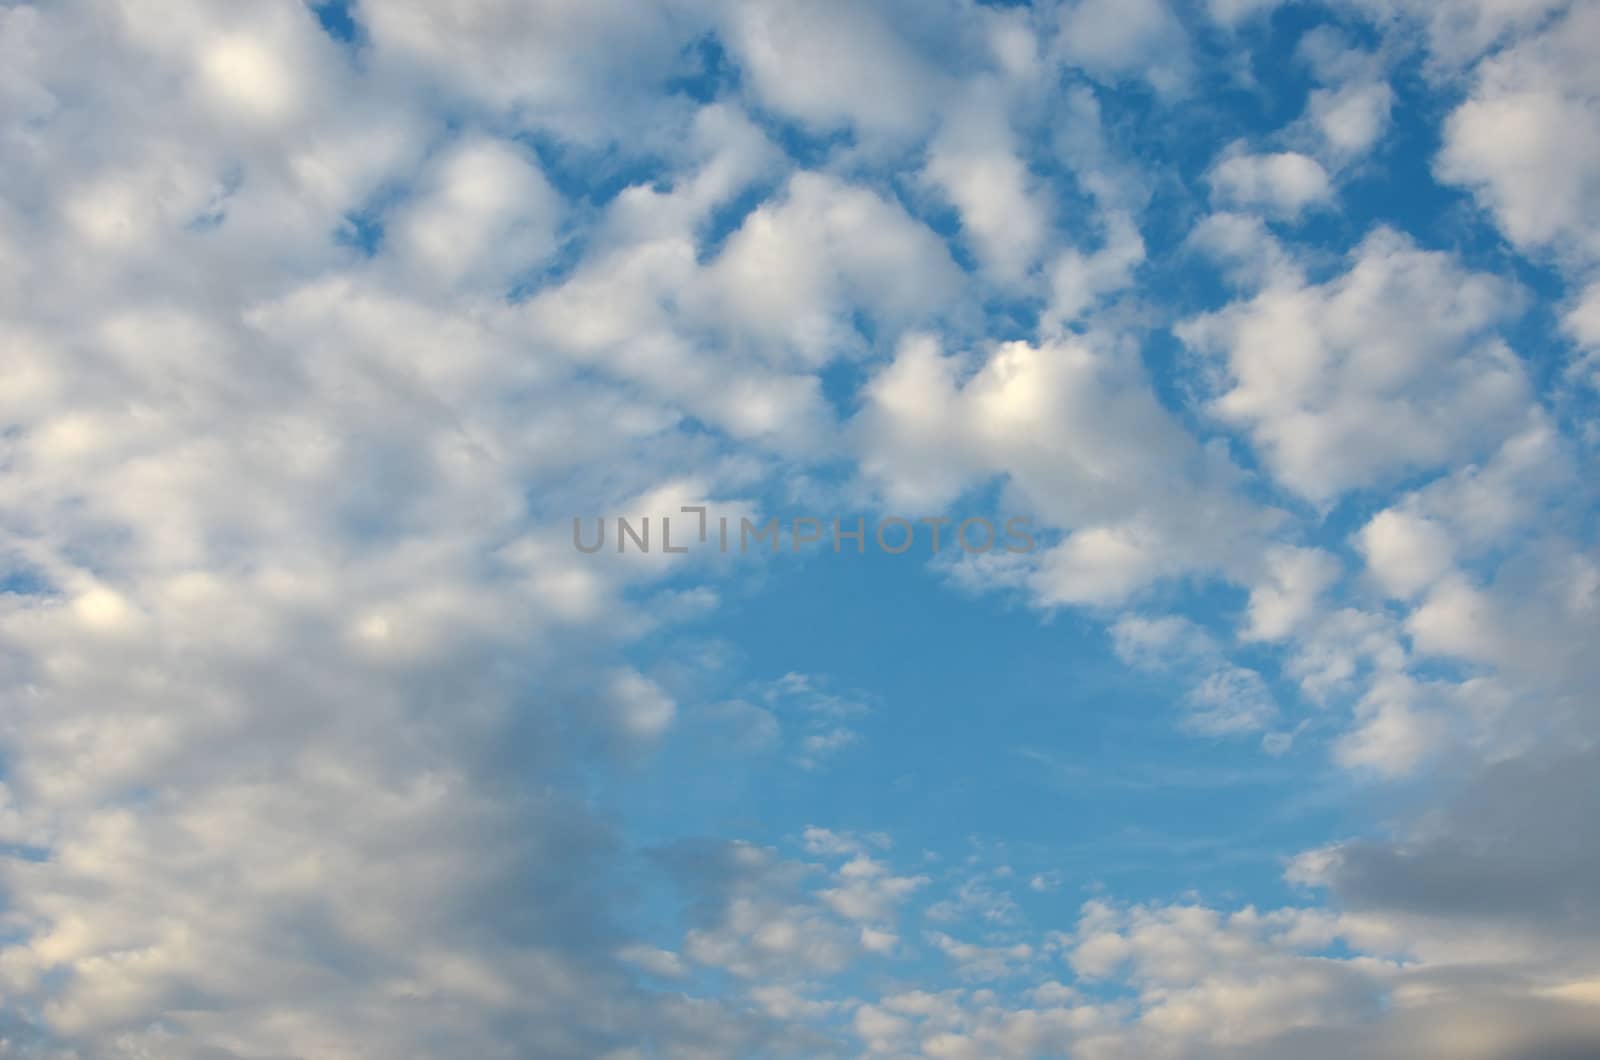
315	339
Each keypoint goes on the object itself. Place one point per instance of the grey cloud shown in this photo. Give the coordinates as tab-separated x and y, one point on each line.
1515	846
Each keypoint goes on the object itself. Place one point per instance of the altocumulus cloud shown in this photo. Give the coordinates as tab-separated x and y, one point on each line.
320	320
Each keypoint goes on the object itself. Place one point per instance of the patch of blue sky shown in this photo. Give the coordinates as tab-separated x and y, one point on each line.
985	720
338	19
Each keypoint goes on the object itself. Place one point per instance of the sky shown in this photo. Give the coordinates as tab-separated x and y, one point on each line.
1264	334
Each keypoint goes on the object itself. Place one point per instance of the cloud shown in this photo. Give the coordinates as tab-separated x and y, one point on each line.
1393	734
1405	552
1497	859
760	916
974	163
1456	34
321	740
1115	41
1085	445
292	766
1523	141
1233	12
1388	368
1242	243
837	63
799	266
503	54
1283	184
1223	699
1582	323
1288	594
1352	111
643	710
487	212
734	340
821	721
1078	280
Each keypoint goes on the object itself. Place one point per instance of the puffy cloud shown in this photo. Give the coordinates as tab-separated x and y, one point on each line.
486	211
1405	552
1387	368
1352	118
1485	894
734	340
974	163
1115	41
1078	280
1458	33
289	790
580	68
1393	734
771	920
1525	141
837	63
1288	593
1243	244
1582	322
867	891
752	918
312	346
1351	111
797	266
1085	445
643	710
1283	184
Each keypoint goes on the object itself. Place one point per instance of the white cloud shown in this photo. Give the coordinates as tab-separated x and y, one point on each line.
1230	700
1405	552
295	707
1287	595
580	66
485	212
1124	39
1283	184
1582	322
289	490
1352	109
867	891
1351	118
974	163
1387	368
663	963
1160	642
1086	447
1234	12
835	63
1457	33
1223	699
798	265
821	720
781	294
1392	734
1078	280
1525	141
1251	255
643	709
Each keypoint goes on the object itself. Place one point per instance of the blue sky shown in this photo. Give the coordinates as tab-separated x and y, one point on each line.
1277	322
